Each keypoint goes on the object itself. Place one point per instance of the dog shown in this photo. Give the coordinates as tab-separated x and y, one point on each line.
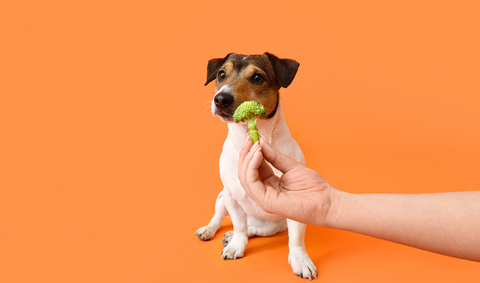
257	78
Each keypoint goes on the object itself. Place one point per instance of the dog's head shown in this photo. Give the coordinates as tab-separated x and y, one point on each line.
248	78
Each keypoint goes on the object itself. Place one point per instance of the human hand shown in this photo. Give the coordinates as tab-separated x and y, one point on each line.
303	195
300	193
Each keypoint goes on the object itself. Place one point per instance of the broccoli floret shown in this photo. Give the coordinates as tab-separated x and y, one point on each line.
248	112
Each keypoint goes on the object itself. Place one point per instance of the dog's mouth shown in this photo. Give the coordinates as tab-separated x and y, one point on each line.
224	115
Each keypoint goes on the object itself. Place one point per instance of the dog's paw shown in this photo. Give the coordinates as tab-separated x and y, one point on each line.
233	250
205	233
227	238
301	264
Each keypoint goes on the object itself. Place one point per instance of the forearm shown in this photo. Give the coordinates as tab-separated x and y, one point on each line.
445	223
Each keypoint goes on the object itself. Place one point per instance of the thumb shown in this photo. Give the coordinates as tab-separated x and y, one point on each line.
276	158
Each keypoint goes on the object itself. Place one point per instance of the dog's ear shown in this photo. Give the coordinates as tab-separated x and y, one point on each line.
213	66
285	69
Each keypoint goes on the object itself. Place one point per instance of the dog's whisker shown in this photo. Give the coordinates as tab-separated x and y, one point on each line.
209	106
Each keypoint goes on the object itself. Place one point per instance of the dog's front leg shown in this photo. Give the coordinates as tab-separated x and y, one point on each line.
206	233
236	247
298	257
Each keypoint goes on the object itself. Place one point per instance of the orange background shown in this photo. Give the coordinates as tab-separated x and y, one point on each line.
109	154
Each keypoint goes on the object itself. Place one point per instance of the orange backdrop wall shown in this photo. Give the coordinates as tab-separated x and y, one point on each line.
109	153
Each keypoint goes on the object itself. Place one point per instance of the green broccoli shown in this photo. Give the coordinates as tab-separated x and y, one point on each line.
248	112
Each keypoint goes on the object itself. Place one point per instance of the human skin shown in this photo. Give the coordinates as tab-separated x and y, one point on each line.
444	223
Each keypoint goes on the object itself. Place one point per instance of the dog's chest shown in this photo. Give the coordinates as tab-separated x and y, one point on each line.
249	206
229	176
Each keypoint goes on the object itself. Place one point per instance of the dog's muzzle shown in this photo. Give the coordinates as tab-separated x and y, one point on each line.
224	106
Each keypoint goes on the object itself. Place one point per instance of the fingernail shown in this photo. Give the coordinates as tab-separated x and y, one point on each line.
257	152
257	144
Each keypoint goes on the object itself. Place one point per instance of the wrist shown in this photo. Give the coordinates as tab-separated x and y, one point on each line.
338	210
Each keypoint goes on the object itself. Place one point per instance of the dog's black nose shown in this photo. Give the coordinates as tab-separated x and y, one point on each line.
223	100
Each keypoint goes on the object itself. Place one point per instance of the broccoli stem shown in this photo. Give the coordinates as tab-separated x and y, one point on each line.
252	128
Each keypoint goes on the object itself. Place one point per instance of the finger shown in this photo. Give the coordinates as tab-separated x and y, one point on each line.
244	169
264	140
246	159
247	145
254	163
253	184
277	159
264	193
264	170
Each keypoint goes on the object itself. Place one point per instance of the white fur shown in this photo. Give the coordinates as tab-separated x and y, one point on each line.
226	88
247	217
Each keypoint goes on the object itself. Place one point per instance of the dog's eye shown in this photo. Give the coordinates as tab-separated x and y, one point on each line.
221	76
257	79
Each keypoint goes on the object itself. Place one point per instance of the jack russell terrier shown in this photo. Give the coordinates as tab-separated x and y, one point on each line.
253	78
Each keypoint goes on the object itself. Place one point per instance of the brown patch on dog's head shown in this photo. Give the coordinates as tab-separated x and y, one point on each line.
251	78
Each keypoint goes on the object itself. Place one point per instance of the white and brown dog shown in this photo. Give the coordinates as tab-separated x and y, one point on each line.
253	78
